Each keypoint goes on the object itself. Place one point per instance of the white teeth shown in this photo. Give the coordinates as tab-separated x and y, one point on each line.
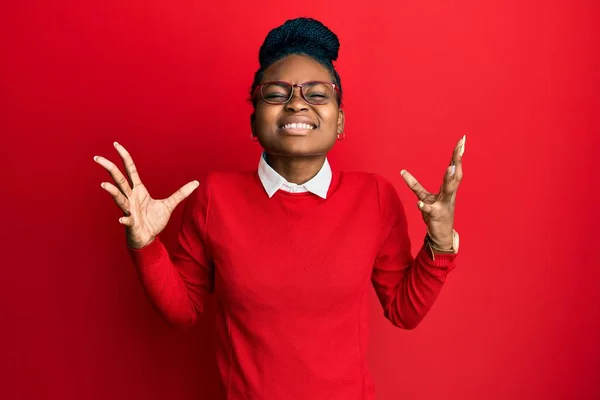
298	126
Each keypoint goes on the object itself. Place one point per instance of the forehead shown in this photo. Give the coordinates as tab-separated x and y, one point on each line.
297	68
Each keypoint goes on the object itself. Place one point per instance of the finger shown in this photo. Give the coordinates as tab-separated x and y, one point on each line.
130	168
454	172
183	192
115	173
449	185
118	197
457	157
425	208
458	161
414	185
459	150
127	221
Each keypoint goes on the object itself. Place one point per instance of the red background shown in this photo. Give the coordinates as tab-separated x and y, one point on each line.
519	317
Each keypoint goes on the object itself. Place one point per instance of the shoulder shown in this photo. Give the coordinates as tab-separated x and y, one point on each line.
218	185
229	182
225	178
380	187
368	180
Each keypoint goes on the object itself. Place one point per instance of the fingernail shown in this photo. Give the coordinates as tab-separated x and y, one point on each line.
402	172
96	158
452	169
115	144
421	204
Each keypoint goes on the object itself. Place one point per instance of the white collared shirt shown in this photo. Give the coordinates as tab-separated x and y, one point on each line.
272	181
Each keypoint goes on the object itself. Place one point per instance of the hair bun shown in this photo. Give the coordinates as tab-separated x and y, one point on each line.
305	35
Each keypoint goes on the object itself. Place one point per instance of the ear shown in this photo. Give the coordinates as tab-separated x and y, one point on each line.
252	123
341	120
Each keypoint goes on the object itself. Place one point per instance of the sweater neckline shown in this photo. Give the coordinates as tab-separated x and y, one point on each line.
335	178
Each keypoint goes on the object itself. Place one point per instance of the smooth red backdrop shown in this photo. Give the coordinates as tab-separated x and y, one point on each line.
519	317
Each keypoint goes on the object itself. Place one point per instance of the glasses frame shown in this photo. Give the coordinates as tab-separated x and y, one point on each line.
259	88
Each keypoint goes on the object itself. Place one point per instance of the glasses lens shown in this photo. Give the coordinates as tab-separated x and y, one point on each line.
317	92
276	93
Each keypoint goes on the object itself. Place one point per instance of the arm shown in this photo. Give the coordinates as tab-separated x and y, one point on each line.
177	283
406	287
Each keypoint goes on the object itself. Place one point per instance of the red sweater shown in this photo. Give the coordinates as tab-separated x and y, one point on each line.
291	274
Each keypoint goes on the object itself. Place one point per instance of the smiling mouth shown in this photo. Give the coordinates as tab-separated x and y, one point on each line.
298	127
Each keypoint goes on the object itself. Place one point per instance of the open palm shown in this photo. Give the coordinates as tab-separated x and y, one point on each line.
438	209
144	217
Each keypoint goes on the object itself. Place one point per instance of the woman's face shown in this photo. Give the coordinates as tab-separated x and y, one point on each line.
268	120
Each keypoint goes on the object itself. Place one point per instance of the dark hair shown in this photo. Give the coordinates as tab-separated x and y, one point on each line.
299	36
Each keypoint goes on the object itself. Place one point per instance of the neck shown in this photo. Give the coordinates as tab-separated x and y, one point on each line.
298	170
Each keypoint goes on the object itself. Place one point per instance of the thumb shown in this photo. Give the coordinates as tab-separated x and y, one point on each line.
180	195
425	208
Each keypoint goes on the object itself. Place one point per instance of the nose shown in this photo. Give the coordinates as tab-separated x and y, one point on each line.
296	103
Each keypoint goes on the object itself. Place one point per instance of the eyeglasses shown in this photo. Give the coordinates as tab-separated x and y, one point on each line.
313	92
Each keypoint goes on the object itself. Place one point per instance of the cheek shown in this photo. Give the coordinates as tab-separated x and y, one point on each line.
265	118
269	113
329	119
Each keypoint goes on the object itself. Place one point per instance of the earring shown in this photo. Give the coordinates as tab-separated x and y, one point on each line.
343	135
253	138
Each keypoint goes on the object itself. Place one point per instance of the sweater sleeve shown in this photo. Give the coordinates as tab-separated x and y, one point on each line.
406	287
177	282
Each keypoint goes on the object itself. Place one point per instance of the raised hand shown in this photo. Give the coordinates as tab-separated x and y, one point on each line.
144	217
438	209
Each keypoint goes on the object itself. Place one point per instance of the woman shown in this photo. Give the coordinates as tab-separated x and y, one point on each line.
292	248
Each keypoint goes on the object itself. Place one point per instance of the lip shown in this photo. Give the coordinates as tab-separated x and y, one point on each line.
295	132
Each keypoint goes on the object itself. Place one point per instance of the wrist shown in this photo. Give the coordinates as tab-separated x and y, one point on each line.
442	250
445	246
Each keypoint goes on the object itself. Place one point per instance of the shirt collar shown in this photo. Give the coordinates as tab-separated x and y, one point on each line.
272	181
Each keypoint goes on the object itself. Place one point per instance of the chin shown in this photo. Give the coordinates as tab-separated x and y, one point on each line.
300	146
298	151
